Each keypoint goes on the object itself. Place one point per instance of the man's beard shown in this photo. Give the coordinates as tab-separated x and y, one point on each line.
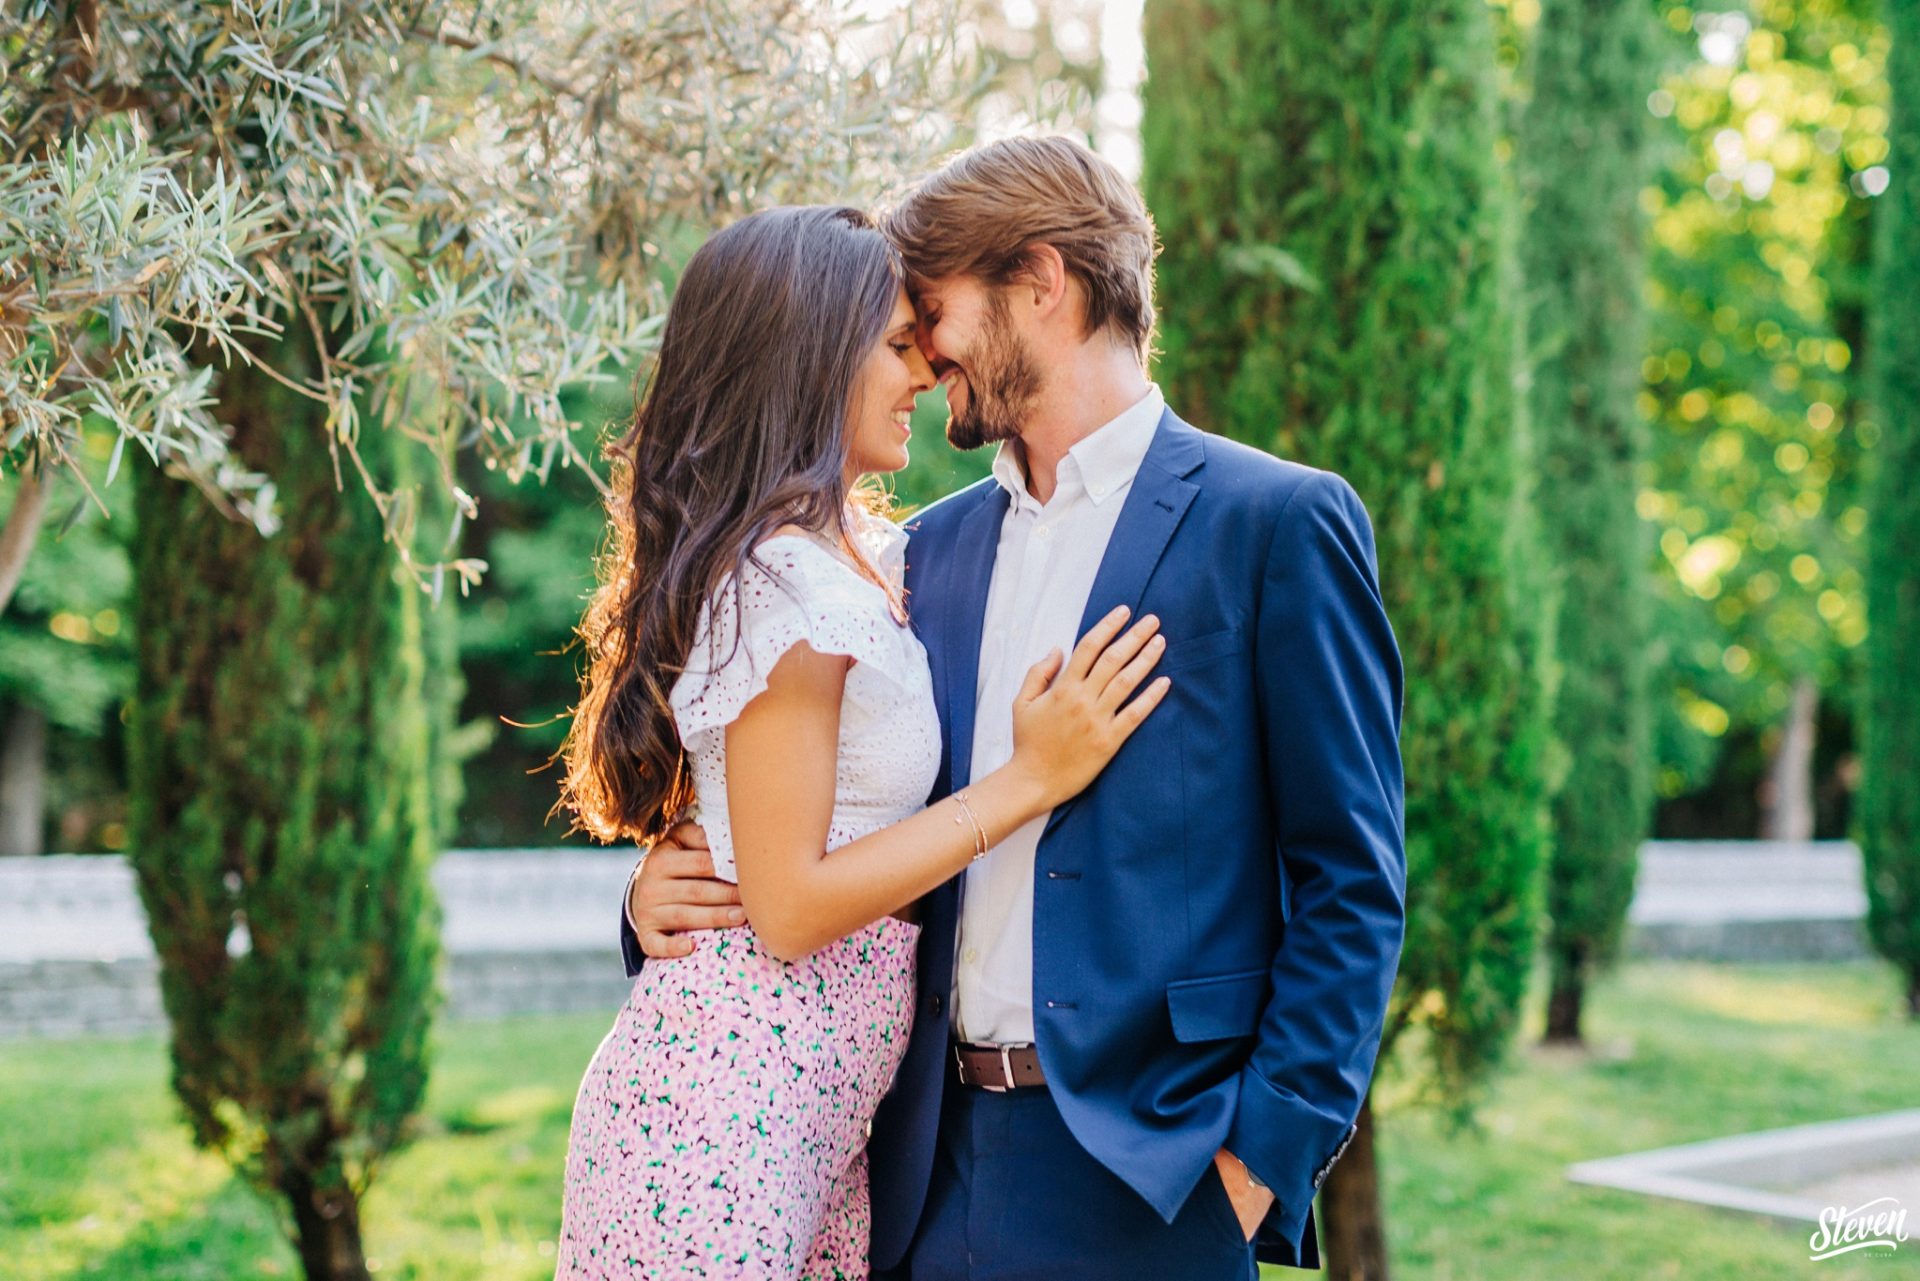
1002	382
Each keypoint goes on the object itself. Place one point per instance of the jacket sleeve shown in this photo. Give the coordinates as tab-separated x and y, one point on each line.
629	941
1329	690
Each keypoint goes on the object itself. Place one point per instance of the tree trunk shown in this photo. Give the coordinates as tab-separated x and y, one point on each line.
1913	995
23	782
1788	812
326	1231
1354	1224
22	528
1565	996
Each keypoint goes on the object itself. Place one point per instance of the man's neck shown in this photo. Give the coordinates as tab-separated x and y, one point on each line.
1082	395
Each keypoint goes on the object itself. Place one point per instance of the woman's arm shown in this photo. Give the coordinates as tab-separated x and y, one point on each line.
782	752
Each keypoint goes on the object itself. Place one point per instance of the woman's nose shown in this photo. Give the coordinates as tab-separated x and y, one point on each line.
923	379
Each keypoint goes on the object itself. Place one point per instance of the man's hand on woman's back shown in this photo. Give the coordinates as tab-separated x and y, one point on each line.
675	891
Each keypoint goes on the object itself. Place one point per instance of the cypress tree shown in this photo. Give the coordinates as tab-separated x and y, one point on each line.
1583	152
1335	288
1889	801
281	823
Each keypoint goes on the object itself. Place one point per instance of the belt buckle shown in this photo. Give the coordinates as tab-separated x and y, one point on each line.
1006	1070
1006	1066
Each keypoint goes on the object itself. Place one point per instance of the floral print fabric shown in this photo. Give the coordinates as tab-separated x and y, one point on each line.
720	1130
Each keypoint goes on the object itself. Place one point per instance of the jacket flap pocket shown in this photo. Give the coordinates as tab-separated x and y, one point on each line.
1213	1009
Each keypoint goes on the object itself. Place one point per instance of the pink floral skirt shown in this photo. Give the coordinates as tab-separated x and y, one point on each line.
721	1128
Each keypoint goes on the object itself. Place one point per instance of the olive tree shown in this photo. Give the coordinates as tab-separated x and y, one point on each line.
305	256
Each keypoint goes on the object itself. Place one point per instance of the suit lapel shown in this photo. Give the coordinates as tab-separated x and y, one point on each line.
976	546
1159	498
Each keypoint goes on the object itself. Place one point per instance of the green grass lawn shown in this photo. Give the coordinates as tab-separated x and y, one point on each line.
98	1178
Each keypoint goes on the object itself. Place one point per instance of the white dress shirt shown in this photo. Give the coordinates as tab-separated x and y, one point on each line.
1042	576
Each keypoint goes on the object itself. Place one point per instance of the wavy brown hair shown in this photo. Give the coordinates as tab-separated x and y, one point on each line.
741	428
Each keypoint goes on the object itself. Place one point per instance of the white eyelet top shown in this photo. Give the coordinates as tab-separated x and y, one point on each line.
889	746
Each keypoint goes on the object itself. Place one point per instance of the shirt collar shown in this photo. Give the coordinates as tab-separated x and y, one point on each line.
1104	460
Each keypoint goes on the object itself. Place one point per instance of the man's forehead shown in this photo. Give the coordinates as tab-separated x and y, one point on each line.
925	291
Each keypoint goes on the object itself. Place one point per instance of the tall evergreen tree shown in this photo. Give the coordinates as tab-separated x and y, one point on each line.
1583	158
1889	802
1335	288
281	817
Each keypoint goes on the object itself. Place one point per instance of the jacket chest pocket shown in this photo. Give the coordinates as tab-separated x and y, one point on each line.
1202	649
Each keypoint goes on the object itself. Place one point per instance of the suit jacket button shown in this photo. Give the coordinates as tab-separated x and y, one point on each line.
936	1003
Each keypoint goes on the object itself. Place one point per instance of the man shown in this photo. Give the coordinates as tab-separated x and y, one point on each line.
1146	1022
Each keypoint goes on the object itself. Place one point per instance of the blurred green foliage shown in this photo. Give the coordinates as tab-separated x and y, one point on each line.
1338	284
1583	157
1890	802
1772	131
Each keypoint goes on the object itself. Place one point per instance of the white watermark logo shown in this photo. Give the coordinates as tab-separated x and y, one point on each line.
1879	1224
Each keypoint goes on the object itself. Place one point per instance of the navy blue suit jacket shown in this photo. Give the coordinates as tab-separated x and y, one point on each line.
1218	918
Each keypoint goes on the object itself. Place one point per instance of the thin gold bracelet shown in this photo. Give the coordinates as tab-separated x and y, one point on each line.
979	832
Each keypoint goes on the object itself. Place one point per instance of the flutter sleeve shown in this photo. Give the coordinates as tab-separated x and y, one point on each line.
799	591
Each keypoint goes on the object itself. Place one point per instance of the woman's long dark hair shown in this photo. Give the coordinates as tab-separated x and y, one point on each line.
742	429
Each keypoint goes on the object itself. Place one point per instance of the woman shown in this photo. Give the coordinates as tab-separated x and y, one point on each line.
750	652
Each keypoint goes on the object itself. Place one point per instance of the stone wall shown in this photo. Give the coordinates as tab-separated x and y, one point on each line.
526	931
530	931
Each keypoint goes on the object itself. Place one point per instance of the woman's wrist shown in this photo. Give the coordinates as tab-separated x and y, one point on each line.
1020	791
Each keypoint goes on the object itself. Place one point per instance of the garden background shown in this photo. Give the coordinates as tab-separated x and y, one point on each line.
1606	308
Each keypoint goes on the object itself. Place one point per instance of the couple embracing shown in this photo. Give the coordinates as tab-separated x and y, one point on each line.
1048	877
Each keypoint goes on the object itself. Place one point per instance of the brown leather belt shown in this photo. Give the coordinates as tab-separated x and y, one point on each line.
998	1067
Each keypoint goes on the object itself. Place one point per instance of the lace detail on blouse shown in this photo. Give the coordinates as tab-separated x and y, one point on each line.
804	590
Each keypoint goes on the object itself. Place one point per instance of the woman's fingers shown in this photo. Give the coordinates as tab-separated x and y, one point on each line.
1122	651
1128	678
1134	713
1040	675
1096	640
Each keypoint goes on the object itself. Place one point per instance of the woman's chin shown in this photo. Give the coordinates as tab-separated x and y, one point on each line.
886	466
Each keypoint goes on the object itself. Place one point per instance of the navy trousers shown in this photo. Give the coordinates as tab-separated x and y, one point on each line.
1014	1197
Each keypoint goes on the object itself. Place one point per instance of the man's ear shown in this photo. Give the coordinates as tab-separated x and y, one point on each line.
1044	278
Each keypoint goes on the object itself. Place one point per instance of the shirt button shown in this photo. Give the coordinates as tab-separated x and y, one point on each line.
1042	532
973	957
